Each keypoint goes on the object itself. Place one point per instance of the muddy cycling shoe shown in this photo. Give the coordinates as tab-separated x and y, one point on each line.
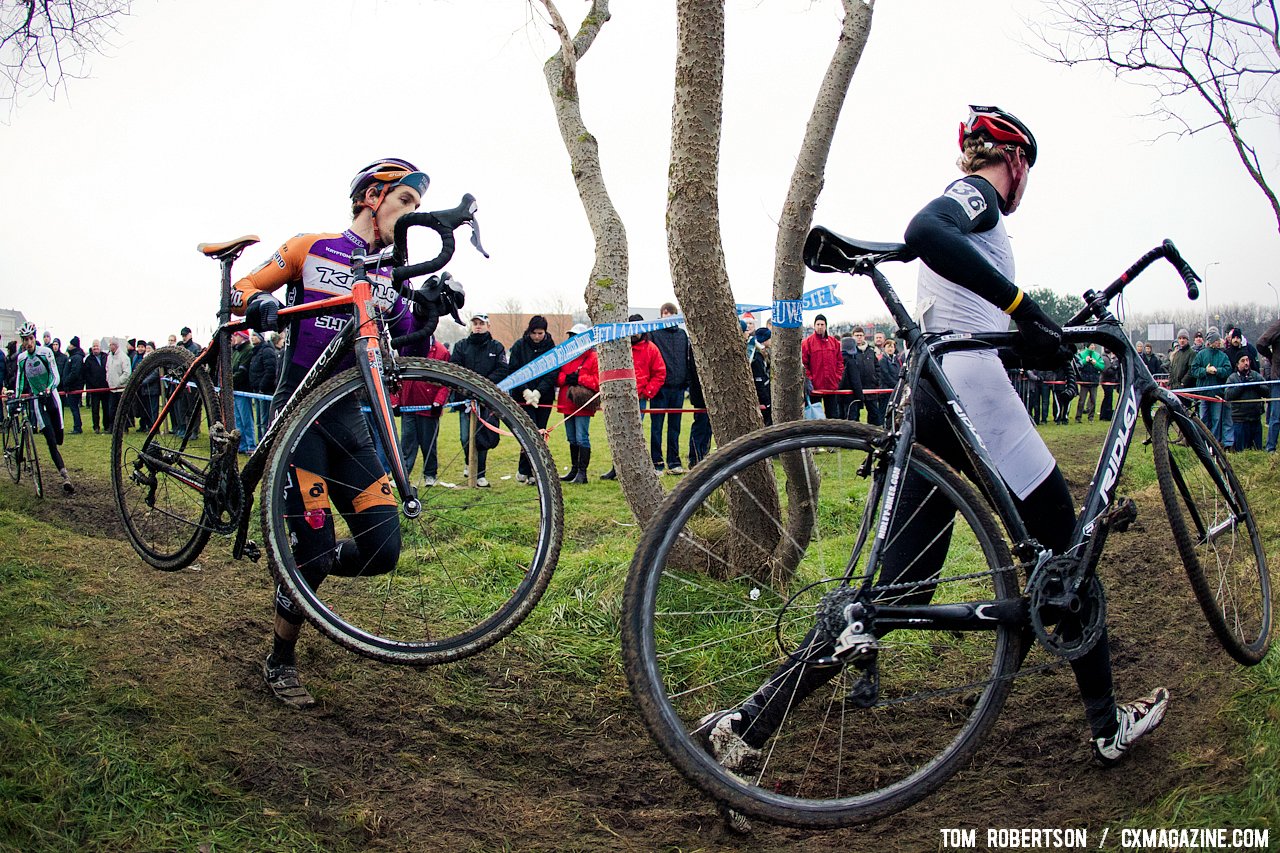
1134	719
284	683
717	736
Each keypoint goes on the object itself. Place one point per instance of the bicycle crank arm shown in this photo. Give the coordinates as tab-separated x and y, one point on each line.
968	616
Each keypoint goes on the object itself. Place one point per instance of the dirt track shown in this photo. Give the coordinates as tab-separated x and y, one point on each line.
492	754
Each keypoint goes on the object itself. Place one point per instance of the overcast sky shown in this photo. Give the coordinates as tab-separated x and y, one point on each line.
208	120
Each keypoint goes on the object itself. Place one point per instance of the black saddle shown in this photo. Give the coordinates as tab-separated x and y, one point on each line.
827	251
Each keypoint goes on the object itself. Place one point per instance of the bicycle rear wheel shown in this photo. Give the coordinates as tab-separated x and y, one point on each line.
721	601
159	479
33	458
1216	533
12	437
466	571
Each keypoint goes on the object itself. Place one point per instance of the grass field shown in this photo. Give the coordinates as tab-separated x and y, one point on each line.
132	715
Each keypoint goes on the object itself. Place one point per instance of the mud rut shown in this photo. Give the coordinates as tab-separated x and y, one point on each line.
493	754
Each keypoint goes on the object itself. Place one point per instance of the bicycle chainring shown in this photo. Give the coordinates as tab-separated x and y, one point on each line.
1068	610
224	499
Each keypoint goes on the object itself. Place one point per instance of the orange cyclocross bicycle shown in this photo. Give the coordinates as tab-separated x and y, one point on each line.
472	563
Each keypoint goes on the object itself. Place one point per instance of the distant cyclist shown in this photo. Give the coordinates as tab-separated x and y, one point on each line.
38	377
966	285
336	463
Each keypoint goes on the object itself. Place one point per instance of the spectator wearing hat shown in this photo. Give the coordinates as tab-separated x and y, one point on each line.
651	373
1197	342
536	395
677	358
481	353
263	372
1267	347
1211	368
579	383
73	382
242	383
95	380
823	367
1180	361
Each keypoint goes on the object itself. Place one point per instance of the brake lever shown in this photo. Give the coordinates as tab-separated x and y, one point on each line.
475	241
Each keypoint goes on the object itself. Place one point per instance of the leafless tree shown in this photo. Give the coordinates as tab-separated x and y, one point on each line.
606	291
43	42
1210	64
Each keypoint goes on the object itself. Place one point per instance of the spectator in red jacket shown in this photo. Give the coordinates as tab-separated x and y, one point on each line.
579	382
651	373
823	366
421	405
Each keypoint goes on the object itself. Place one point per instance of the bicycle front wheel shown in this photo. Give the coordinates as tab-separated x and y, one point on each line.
33	459
719	614
159	478
426	590
13	449
1216	534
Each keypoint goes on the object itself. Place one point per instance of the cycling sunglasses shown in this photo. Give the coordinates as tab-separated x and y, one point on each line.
414	180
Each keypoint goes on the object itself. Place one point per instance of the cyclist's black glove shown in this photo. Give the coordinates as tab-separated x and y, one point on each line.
1041	336
263	313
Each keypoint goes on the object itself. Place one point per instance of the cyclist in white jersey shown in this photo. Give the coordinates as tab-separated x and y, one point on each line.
966	285
38	377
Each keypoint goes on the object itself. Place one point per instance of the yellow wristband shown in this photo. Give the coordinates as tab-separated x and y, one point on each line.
1013	306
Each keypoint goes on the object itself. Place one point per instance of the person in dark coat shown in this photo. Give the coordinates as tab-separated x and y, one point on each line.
760	374
95	379
263	370
73	383
1110	379
149	397
700	431
1246	392
536	395
1267	347
481	353
677	356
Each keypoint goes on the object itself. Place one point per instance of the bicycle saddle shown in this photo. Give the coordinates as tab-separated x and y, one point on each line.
230	248
827	251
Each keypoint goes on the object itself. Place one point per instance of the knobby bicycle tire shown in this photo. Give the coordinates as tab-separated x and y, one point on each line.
12	446
161	503
688	625
1230	579
469	568
33	458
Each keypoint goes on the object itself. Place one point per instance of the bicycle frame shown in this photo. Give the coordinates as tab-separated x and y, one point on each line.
1139	391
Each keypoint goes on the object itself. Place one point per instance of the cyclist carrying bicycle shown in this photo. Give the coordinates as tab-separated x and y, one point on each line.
342	468
966	285
38	376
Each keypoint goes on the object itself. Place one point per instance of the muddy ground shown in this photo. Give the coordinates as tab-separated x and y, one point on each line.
494	754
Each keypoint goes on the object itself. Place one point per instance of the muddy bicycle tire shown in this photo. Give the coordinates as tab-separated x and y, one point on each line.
469	568
692	638
167	524
33	458
12	444
1202	494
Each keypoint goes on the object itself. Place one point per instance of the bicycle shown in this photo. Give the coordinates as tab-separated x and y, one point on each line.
472	564
772	540
18	437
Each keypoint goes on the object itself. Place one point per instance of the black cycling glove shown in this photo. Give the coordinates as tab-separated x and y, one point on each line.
262	314
1041	336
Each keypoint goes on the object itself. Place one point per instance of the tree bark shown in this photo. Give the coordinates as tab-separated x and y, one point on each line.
606	291
788	277
698	269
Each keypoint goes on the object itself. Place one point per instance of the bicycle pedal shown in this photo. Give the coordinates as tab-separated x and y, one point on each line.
252	551
1122	515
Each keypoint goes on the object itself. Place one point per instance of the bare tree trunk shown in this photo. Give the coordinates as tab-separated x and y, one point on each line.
788	276
606	292
697	261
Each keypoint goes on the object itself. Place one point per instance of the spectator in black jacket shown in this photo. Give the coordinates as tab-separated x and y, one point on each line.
1267	347
95	379
263	369
1110	379
673	343
890	367
149	399
479	352
11	364
73	383
861	375
1246	392
537	395
760	374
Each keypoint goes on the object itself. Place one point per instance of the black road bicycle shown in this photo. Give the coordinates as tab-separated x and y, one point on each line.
18	441
473	562
802	530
